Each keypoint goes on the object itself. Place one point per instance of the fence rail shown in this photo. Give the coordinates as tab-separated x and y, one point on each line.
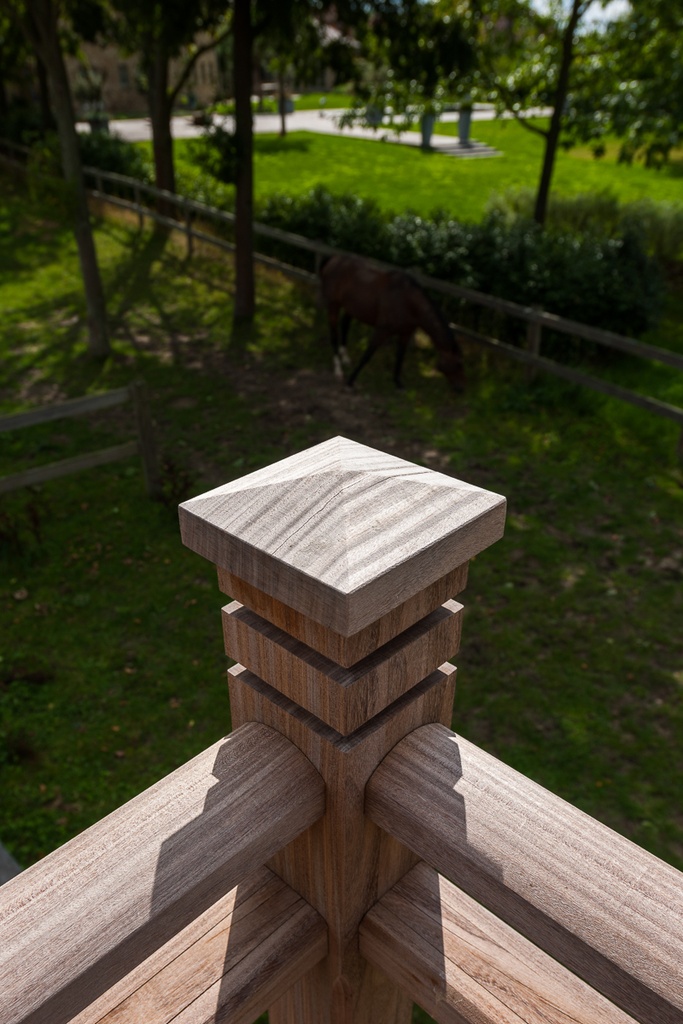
144	446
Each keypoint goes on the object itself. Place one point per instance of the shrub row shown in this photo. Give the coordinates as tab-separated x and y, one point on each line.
592	265
600	214
607	282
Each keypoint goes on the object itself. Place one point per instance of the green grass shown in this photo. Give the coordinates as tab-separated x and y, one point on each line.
329	100
112	671
400	177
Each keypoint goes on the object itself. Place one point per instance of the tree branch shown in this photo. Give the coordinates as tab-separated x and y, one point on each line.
543	132
199	52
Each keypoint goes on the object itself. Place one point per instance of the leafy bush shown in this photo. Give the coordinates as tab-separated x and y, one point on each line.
110	153
22	124
203	187
600	214
345	221
661	225
216	153
607	282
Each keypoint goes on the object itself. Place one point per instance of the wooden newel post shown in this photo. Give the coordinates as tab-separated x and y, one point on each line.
343	562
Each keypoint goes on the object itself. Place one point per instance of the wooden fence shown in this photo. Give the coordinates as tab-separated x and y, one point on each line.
191	213
144	446
342	852
536	320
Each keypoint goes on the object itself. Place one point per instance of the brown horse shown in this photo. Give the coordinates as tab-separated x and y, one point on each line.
394	304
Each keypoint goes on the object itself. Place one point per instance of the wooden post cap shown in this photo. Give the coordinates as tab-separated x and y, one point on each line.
341	532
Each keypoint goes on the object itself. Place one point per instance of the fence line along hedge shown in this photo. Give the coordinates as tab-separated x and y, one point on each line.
610	283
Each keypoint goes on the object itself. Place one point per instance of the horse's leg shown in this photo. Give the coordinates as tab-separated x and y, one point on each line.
333	319
344	324
401	346
379	336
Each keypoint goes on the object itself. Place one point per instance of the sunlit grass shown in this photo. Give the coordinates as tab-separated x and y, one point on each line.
401	177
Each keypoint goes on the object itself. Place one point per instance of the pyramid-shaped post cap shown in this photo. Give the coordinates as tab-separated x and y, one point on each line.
341	532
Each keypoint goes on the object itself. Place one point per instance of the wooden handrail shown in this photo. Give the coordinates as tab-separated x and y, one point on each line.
602	906
230	963
464	966
80	919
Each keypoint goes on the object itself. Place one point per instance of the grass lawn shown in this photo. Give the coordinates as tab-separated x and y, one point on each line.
403	177
111	662
317	100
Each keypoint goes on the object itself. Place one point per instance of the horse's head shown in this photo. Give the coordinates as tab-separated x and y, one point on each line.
450	363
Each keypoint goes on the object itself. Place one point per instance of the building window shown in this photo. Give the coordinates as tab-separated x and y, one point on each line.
124	76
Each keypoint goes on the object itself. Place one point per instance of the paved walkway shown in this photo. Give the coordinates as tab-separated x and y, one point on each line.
325	122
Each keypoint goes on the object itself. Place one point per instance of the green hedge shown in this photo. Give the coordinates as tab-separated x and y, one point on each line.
607	282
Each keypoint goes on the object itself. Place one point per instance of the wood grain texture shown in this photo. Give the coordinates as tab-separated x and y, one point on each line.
103	903
229	964
344	863
345	650
344	698
341	532
596	902
464	966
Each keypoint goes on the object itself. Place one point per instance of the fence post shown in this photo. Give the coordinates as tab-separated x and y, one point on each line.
146	443
342	561
188	228
141	213
534	331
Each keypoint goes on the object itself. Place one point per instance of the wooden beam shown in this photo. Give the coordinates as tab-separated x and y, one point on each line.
602	906
229	964
605	387
64	410
54	470
465	966
80	919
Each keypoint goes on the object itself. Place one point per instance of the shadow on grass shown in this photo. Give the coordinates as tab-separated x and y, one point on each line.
287	144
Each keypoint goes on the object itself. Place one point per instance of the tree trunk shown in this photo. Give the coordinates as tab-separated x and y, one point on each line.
282	99
244	197
553	135
62	108
160	117
47	121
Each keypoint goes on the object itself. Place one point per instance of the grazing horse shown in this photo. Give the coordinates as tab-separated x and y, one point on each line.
394	304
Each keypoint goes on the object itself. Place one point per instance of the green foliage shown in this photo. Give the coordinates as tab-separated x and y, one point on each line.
632	83
661	225
21	124
414	55
216	153
346	221
44	176
608	283
110	153
600	214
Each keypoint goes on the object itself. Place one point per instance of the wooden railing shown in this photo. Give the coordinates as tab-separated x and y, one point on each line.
191	212
343	853
144	445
